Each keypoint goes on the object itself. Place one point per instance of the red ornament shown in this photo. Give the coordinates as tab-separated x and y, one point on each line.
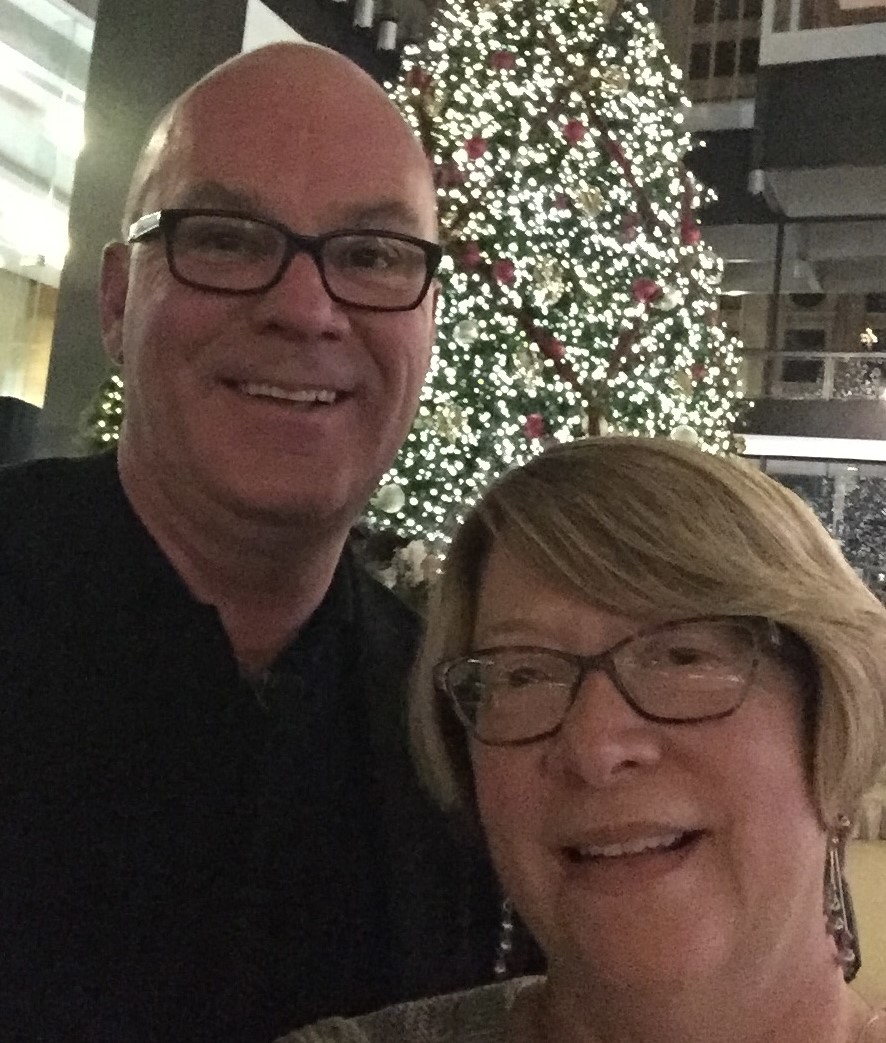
553	348
418	78
562	201
630	227
504	272
574	131
690	233
698	370
470	256
645	290
534	426
475	147
502	61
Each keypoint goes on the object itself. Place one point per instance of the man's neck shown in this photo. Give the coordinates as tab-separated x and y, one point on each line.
264	578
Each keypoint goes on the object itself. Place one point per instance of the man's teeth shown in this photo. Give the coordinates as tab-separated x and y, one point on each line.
272	391
630	847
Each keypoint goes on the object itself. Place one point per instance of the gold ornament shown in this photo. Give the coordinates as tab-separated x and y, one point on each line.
449	422
432	102
591	200
549	281
529	368
614	79
740	444
683	380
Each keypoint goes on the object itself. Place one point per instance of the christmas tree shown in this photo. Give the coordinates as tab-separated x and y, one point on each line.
578	295
101	420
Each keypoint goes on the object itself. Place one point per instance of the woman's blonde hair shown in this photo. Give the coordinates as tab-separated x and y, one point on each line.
656	529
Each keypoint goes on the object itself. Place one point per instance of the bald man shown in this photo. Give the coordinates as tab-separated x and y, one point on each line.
210	826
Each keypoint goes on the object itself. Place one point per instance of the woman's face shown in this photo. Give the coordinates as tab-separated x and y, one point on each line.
731	874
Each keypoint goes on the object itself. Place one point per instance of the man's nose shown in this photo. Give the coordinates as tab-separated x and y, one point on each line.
602	738
299	302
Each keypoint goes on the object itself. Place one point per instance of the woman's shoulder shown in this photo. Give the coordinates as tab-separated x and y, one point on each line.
874	1029
474	1016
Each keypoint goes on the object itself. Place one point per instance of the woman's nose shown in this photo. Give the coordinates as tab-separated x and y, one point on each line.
602	737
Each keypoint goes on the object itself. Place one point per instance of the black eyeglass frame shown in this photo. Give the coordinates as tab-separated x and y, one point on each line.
755	625
164	223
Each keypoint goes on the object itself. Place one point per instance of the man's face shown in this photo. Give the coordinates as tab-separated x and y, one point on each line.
211	378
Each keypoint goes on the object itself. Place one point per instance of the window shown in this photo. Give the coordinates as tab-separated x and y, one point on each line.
724	58
807	301
699	61
45	47
748	57
805	340
704	12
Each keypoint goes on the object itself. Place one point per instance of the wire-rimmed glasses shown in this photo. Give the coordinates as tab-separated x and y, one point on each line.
232	253
678	672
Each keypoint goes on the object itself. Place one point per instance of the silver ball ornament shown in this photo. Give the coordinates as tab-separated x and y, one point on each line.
466	332
390	499
684	433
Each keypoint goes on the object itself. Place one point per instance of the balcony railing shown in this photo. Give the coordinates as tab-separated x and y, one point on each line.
818	30
823	375
794	15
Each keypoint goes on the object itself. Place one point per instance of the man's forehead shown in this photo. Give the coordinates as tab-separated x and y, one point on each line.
248	141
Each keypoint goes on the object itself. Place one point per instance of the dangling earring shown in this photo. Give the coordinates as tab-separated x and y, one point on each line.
505	941
838	912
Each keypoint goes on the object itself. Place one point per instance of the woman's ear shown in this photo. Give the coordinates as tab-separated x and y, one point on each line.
113	287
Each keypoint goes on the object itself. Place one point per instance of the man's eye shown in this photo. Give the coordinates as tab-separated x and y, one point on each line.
371	254
223	239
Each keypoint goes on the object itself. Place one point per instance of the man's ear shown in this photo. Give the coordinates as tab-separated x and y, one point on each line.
113	286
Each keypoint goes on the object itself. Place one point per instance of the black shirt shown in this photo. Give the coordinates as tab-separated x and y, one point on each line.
187	855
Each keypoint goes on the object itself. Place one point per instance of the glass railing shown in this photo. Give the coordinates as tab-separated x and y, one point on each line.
824	375
820	30
801	15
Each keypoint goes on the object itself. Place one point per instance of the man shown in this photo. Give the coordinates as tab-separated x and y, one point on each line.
210	828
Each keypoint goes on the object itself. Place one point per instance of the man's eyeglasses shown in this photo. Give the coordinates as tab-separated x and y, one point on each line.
680	672
231	253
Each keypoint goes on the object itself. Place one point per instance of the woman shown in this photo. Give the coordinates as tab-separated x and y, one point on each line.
661	691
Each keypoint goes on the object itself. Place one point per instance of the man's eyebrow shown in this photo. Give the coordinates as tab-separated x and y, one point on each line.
384	213
213	194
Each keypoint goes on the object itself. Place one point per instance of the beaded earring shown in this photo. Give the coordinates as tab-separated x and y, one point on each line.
505	941
839	914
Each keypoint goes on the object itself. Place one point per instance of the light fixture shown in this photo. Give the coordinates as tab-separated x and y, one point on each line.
363	14
756	182
387	35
